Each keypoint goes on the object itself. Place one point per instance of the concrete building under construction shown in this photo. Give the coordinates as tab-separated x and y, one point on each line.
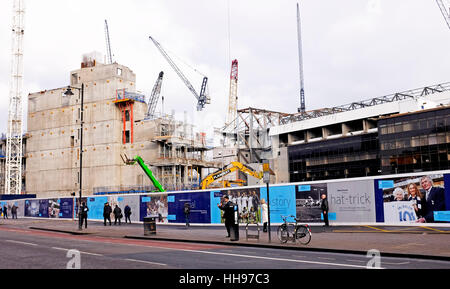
114	123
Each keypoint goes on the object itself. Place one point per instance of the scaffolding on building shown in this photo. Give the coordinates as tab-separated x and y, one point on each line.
182	154
249	133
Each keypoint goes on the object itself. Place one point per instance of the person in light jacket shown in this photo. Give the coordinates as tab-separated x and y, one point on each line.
265	214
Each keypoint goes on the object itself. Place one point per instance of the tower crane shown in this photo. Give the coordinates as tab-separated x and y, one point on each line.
300	56
233	97
108	44
202	97
445	10
14	138
154	97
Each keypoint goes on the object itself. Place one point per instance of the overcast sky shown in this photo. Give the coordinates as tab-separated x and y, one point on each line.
352	49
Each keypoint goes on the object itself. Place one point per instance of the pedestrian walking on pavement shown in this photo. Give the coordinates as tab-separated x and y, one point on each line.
5	212
265	214
14	212
324	207
117	214
107	210
187	212
127	212
83	215
228	213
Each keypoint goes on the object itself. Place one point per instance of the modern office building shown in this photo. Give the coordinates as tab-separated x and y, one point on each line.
414	142
399	133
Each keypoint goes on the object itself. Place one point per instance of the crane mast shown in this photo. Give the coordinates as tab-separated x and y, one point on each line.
108	44
300	56
13	165
154	97
233	97
203	97
445	10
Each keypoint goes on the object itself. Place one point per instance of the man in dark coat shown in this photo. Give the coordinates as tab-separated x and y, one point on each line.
228	213
187	212
107	210
434	199
127	212
83	215
5	212
324	207
117	214
14	211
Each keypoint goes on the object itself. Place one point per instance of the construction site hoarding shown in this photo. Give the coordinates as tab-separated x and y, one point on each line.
388	200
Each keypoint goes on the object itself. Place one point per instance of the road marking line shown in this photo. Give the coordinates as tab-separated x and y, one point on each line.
324	258
361	261
94	254
402	263
278	259
82	252
61	249
20	242
147	262
249	256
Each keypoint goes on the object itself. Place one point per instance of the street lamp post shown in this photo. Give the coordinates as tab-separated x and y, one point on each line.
266	178
70	93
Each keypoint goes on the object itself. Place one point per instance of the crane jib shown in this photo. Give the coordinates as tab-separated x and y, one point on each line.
221	174
201	98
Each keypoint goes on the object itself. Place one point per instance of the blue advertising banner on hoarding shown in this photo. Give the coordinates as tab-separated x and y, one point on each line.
66	208
215	198
442	216
199	203
282	202
405	190
154	205
246	199
36	208
95	205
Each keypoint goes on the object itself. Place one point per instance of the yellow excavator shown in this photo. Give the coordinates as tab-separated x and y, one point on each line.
234	166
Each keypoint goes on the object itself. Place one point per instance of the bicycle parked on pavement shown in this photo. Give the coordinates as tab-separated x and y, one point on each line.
294	231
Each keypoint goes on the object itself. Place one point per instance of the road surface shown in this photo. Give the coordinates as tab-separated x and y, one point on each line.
30	249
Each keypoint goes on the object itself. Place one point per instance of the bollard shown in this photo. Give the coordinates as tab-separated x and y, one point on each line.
234	230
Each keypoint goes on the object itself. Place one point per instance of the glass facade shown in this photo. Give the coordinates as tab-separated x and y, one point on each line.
415	142
406	143
347	157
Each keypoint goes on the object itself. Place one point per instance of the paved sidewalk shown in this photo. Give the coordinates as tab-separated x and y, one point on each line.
390	241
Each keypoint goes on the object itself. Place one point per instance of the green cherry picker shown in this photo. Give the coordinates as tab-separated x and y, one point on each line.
148	172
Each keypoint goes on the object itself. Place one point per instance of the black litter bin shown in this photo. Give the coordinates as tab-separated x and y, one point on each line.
149	226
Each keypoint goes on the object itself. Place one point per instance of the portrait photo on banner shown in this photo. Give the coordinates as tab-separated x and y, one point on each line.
413	198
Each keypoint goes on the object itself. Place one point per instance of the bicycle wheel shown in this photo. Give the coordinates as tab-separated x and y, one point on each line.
303	235
282	233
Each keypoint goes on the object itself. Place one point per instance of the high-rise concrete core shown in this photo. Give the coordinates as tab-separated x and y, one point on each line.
114	123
